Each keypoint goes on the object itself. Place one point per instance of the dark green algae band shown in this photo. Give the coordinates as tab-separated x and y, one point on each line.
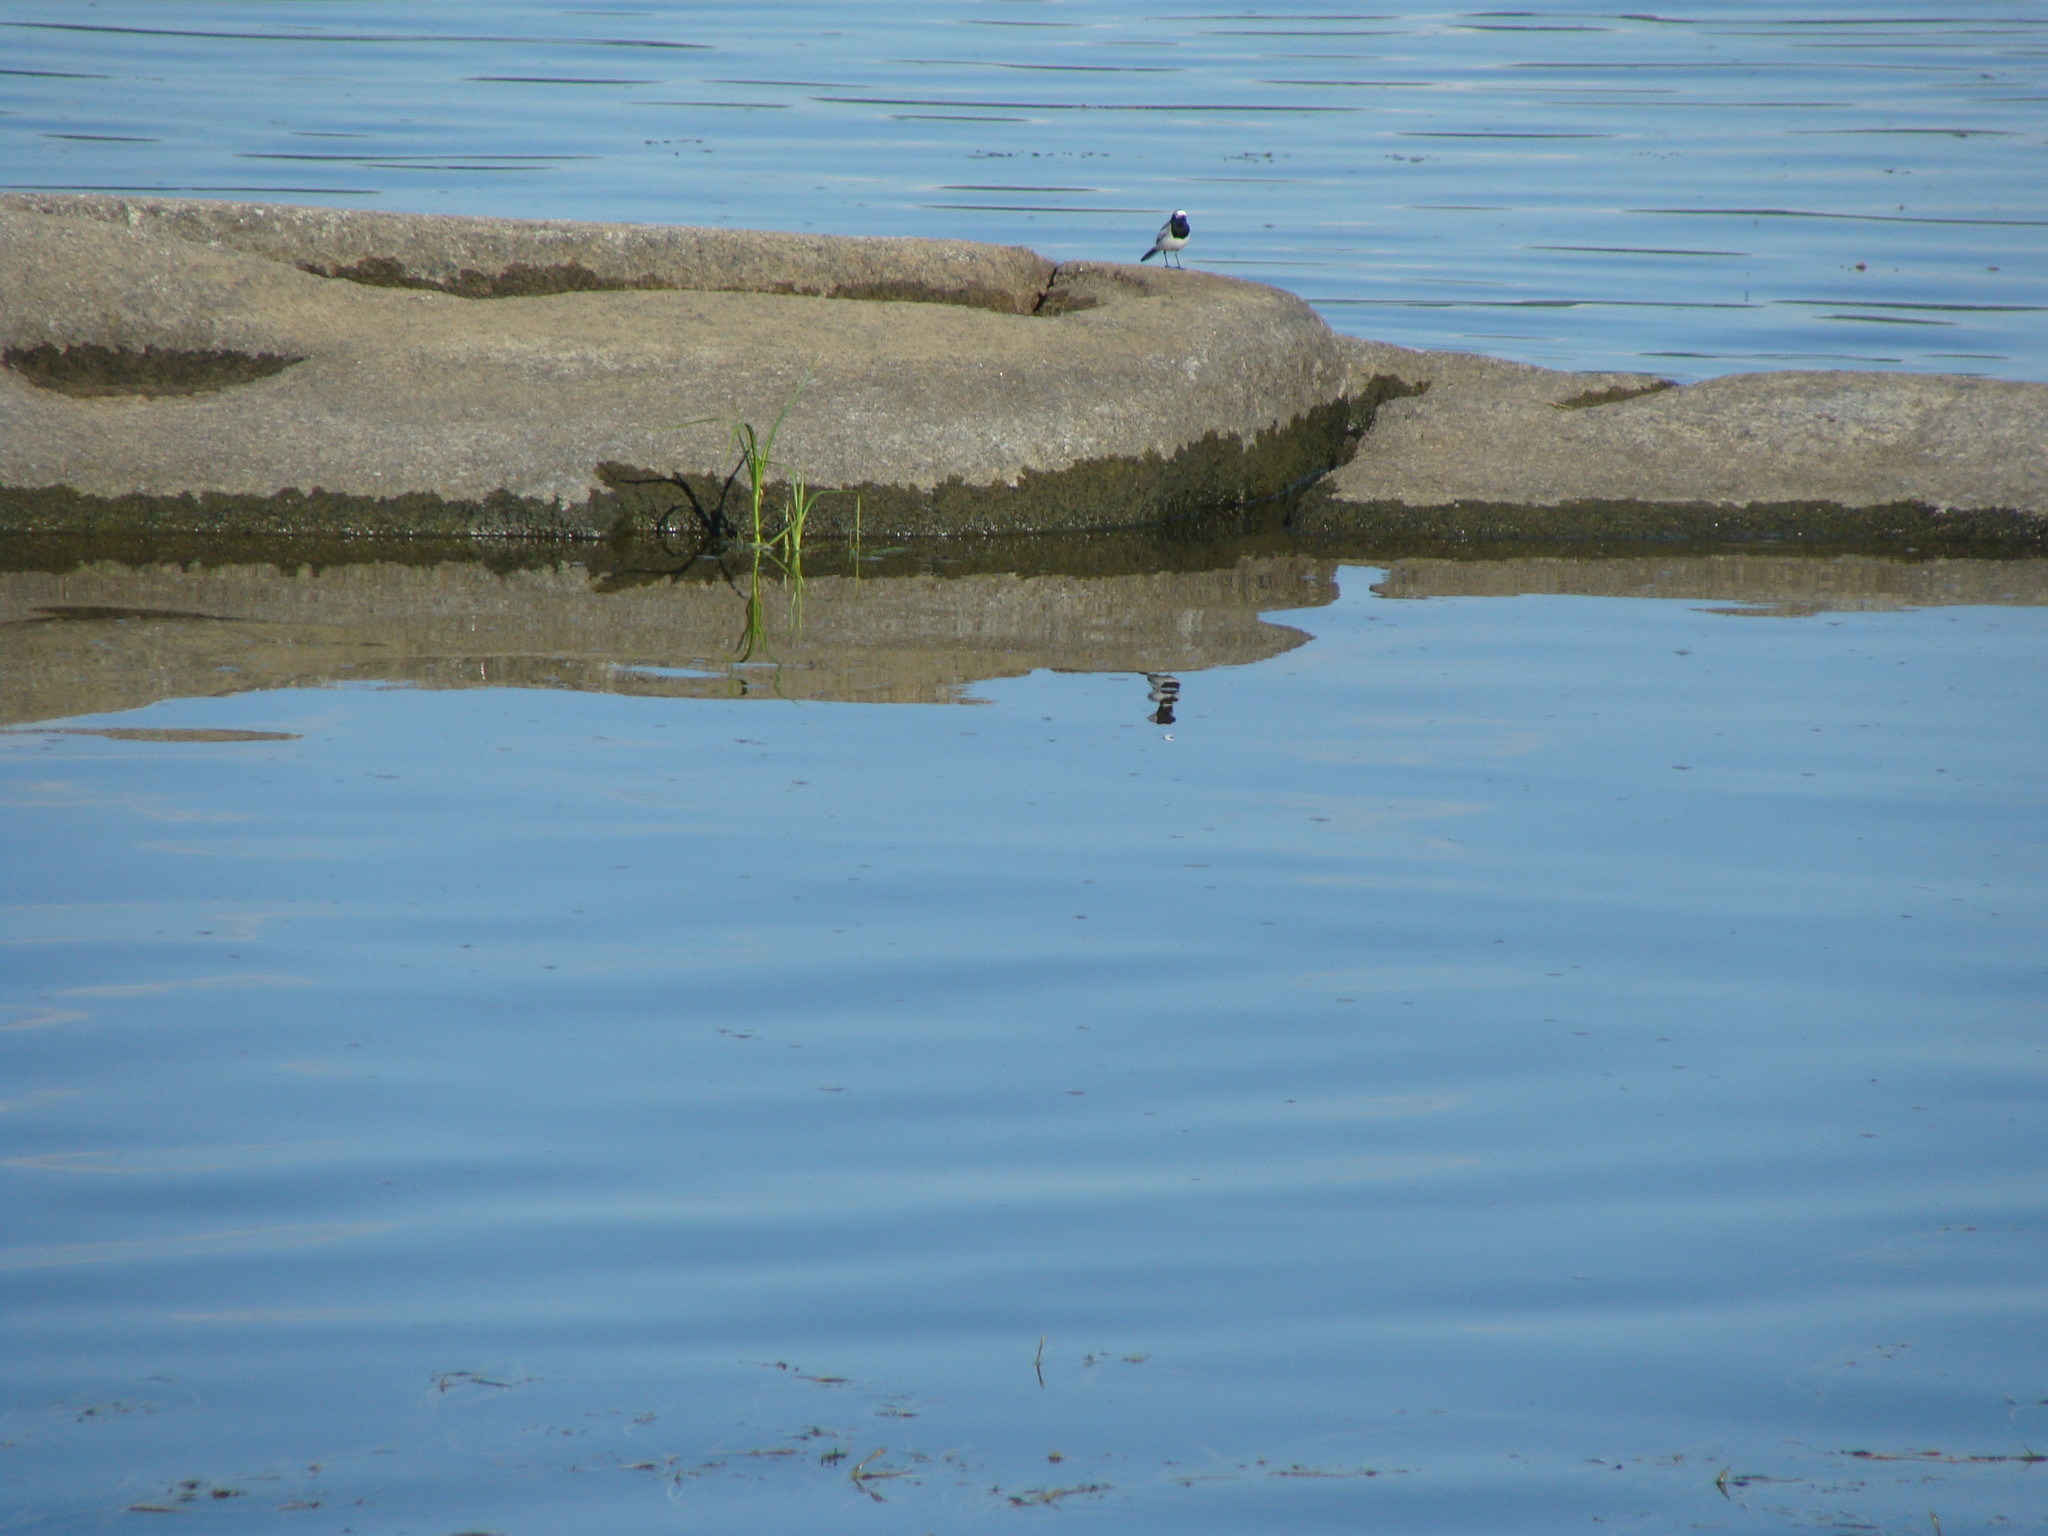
1491	528
1218	471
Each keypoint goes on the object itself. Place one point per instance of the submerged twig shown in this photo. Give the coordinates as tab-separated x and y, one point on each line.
1052	1495
860	1476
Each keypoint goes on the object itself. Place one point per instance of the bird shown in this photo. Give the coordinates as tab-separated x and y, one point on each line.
1165	693
1173	234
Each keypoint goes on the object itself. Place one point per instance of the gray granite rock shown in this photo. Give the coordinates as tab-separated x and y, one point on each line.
954	386
248	368
1472	436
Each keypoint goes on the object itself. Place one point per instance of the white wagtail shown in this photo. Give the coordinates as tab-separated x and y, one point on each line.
1173	234
1165	693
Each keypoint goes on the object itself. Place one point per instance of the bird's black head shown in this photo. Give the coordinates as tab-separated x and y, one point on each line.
1179	224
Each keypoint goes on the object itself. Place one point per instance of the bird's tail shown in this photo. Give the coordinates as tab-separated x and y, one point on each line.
1150	254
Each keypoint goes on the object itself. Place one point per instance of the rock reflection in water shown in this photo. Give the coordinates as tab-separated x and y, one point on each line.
109	637
105	635
1770	584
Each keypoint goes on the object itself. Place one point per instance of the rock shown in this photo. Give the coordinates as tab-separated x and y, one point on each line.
248	368
242	368
1488	447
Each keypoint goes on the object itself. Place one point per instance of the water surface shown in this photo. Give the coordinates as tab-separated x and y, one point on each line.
1233	1042
1486	1063
1739	186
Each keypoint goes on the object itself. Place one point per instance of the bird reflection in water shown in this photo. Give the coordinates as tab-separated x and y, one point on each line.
1165	694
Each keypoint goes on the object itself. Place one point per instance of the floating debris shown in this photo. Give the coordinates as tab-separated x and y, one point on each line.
1031	1496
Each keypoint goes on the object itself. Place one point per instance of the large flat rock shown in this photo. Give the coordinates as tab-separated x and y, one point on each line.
244	368
1479	445
386	372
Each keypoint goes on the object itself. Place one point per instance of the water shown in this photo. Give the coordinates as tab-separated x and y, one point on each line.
1524	1044
1736	187
1486	1063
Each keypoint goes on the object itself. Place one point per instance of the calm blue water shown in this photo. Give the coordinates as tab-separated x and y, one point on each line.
1503	1065
1737	186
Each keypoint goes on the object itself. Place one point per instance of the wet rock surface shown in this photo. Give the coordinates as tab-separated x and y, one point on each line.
502	376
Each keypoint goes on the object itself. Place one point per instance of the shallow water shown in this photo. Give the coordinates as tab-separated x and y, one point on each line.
1733	188
1490	1063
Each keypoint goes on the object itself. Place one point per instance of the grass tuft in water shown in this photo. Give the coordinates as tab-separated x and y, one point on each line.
758	465
777	552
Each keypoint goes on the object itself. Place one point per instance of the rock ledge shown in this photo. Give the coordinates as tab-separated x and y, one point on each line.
409	373
1480	448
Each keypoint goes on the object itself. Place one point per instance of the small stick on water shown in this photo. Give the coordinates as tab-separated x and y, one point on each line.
861	1467
1038	1360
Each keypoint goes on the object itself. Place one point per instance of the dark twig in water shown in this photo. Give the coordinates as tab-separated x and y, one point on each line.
1298	1470
860	1476
448	1381
1031	1496
714	528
